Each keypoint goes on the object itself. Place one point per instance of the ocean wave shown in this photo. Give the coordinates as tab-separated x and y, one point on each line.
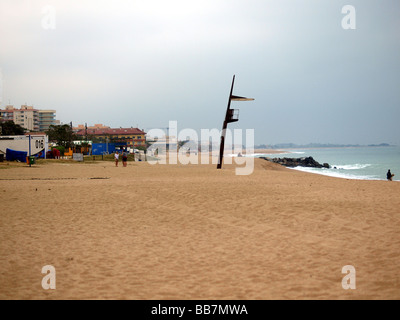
257	155
336	173
356	166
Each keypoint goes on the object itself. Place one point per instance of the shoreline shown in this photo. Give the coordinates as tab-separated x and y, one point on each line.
44	162
340	177
256	155
353	167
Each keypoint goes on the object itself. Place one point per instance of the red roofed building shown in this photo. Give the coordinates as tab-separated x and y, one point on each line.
96	126
134	137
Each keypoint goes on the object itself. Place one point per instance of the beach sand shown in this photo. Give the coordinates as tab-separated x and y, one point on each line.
194	232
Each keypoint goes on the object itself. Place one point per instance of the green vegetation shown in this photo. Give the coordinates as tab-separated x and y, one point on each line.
61	149
9	128
62	135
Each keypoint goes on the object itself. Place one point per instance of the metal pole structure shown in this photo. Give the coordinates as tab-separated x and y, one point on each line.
29	158
86	139
224	126
229	117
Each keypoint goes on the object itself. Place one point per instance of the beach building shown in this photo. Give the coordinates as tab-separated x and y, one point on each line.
131	137
29	118
36	144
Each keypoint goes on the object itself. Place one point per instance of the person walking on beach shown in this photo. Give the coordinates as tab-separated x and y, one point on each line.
389	175
116	156
124	159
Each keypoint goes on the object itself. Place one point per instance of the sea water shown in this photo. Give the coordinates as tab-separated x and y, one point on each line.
366	163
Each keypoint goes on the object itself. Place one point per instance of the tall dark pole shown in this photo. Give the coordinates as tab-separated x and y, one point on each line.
224	126
230	116
29	158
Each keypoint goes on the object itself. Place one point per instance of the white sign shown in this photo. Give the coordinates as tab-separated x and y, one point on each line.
77	156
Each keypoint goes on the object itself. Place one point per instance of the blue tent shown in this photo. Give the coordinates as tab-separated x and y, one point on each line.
102	148
13	155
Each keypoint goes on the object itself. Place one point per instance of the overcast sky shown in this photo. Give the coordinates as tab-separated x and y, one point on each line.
146	62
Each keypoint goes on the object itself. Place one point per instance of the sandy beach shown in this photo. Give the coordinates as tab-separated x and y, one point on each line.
194	232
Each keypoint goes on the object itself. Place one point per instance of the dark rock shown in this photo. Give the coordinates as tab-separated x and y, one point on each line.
298	162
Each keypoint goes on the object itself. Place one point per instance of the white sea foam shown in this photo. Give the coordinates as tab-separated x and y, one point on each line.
257	155
356	166
336	173
364	163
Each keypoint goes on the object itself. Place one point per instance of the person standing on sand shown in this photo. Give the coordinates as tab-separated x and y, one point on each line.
124	159
389	175
116	156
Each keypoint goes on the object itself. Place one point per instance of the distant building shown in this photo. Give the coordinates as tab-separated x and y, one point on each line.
47	118
133	137
7	113
96	126
29	118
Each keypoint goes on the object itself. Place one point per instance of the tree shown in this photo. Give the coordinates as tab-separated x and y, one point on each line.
62	135
9	128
